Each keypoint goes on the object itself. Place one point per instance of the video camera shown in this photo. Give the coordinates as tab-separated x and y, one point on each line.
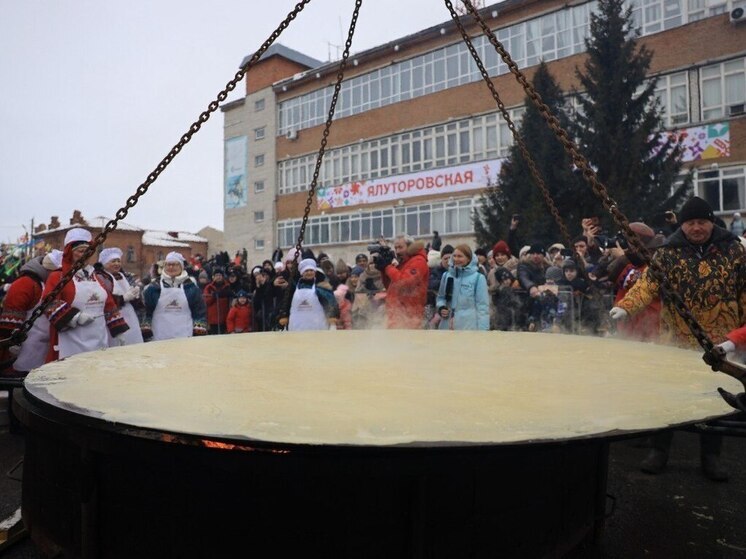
381	254
378	248
611	242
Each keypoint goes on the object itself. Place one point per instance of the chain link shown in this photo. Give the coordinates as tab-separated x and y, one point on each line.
535	173
19	335
667	291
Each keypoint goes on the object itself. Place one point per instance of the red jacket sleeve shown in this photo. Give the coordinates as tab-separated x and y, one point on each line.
738	336
22	296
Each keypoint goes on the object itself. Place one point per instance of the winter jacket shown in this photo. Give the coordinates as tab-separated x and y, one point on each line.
467	300
433	283
324	293
344	301
23	295
406	289
217	298
645	325
60	311
239	319
194	298
711	280
529	275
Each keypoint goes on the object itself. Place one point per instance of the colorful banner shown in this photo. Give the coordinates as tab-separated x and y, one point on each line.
236	192
711	141
451	180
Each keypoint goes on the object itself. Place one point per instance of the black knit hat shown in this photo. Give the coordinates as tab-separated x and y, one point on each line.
696	208
536	248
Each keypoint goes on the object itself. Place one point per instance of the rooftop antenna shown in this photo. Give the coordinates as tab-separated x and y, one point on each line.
337	48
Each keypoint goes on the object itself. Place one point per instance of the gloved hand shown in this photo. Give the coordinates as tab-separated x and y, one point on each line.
81	319
14	350
131	294
618	313
727	346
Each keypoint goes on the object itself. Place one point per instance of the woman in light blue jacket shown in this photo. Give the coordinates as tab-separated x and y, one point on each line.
463	302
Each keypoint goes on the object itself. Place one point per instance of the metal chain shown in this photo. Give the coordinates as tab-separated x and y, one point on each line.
327	129
293	272
535	173
667	291
19	335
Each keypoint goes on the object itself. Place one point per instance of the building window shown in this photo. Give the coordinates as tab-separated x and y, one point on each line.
159	256
259	160
258	216
259	133
724	189
259	105
452	216
474	139
130	254
673	92
549	37
258	186
258	244
723	89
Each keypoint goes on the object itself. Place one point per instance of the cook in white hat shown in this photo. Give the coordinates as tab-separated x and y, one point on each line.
124	294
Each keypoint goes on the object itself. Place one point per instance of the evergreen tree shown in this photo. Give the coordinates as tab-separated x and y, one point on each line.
619	119
516	192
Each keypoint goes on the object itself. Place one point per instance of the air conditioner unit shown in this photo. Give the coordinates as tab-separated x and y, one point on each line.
737	15
291	134
738	109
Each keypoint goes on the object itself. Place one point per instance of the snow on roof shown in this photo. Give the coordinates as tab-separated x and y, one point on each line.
95	223
165	239
101	221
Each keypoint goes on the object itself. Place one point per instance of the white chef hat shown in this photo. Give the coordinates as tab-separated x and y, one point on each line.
307	264
175	257
109	254
53	260
78	236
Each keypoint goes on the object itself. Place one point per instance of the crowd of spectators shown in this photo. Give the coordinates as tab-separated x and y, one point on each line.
405	283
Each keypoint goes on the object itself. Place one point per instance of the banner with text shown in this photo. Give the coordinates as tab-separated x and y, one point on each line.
451	180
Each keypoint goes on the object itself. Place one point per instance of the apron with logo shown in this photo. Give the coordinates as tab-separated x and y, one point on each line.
172	317
90	298
133	335
306	312
34	349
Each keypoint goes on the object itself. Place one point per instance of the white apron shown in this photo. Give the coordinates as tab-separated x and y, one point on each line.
306	312
133	335
34	349
172	317
90	298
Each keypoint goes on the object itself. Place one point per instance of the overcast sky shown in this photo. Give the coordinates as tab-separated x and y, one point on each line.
93	94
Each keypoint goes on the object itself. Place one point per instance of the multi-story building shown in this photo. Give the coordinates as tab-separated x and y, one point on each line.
417	135
250	128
